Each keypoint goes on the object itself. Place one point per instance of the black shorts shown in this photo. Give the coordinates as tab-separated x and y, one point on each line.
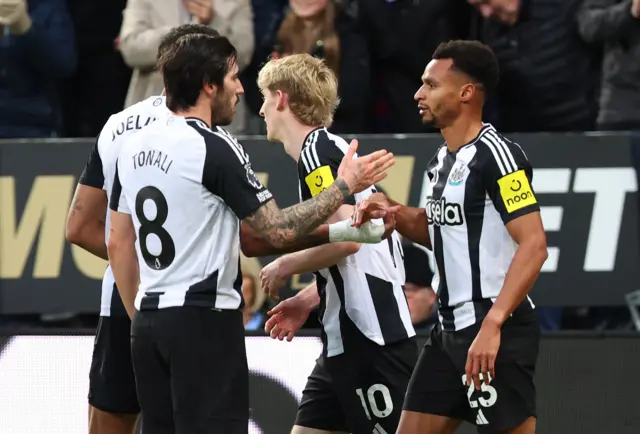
438	382
112	386
191	370
360	392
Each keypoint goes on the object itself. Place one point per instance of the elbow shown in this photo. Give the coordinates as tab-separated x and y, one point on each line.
74	234
538	248
249	249
113	247
131	55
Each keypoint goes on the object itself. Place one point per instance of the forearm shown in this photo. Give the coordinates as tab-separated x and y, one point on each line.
317	258
310	296
412	224
124	264
522	274
91	239
283	228
253	244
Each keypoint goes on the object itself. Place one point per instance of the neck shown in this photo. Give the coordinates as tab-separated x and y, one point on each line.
293	138
202	111
462	131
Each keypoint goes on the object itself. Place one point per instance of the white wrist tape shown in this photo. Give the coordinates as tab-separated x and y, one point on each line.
369	233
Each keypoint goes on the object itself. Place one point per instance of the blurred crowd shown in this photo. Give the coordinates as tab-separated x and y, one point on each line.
567	65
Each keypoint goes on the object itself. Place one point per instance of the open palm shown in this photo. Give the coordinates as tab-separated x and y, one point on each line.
286	319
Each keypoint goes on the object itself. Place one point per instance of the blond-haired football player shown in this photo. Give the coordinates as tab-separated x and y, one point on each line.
359	381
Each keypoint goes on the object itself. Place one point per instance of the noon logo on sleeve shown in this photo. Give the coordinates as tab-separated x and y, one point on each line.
516	191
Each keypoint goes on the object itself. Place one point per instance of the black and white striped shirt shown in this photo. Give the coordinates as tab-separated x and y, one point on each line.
101	167
363	294
187	187
472	194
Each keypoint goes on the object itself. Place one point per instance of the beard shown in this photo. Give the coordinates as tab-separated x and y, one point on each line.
222	109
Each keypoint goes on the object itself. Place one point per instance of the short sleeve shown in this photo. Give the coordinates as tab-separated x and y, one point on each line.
227	173
117	201
318	165
92	175
508	177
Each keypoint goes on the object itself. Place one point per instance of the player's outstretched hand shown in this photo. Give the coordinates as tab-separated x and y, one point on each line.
286	318
272	279
375	206
362	172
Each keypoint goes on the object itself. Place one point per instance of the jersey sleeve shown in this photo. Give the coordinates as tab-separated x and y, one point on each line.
318	167
227	173
508	176
92	175
118	202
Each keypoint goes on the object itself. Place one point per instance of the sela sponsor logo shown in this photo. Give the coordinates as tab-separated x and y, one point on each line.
441	213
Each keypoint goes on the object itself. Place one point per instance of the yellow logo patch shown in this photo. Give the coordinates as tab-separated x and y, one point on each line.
319	179
515	191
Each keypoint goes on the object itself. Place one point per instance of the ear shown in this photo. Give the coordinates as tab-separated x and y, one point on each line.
467	92
281	100
210	90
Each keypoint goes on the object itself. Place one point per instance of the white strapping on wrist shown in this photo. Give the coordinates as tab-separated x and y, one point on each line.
369	232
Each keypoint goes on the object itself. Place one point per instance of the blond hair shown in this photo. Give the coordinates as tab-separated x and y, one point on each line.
312	88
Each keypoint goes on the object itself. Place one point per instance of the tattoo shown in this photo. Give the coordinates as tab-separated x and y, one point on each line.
342	185
282	227
76	207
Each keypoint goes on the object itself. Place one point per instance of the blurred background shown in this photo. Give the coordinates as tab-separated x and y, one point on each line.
569	94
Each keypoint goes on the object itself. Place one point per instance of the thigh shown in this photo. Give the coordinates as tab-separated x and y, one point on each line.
371	385
320	408
112	386
151	370
510	399
209	371
436	386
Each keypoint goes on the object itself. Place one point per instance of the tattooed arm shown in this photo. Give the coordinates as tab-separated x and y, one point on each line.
253	204
283	227
253	244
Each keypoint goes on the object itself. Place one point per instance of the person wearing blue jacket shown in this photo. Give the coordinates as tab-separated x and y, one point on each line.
37	50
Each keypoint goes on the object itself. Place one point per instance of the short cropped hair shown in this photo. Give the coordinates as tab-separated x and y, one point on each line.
177	32
311	86
472	58
191	62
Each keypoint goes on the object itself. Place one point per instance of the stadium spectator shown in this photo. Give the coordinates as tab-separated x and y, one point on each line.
147	21
99	86
254	296
323	29
401	36
420	295
615	24
267	17
548	75
36	52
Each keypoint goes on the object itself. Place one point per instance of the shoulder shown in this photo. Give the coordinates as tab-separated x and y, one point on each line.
494	149
221	146
322	145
